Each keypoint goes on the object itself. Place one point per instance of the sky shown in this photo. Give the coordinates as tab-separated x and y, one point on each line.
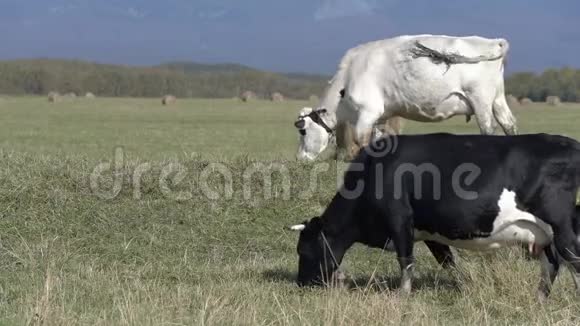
287	36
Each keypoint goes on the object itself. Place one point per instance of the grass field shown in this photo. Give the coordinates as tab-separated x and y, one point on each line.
159	238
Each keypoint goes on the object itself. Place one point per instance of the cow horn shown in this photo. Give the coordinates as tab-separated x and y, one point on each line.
297	227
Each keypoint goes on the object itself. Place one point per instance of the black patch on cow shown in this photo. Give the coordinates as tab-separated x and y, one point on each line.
315	116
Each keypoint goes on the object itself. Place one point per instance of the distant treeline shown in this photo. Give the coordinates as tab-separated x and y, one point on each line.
219	81
180	79
564	83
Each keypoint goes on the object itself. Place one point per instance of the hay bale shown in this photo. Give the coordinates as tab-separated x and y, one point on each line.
248	96
313	98
526	101
277	97
512	101
553	100
168	100
54	97
90	95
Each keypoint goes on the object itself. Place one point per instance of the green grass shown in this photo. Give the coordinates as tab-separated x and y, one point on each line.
169	255
147	129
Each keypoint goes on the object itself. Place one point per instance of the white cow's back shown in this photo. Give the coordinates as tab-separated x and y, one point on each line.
387	72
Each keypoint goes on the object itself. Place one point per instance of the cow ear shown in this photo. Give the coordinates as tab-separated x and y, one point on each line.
305	111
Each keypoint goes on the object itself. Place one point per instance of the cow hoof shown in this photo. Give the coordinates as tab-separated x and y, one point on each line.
339	279
542	296
405	289
404	292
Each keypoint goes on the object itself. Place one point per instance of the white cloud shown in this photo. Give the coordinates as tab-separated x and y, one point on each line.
343	8
212	14
61	10
136	13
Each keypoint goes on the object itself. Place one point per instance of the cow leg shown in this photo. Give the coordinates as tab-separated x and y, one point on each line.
395	125
575	278
559	211
404	242
363	129
483	112
550	263
391	126
346	114
343	139
347	147
504	116
568	248
494	125
363	108
406	261
363	139
442	254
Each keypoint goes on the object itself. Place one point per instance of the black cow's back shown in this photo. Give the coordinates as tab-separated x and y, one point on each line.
431	173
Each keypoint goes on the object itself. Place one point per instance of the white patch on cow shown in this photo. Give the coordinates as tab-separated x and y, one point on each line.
511	226
298	227
314	141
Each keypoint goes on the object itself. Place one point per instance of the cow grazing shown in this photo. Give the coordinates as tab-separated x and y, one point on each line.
475	192
426	78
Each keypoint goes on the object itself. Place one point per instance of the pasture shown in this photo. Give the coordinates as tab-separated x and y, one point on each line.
124	211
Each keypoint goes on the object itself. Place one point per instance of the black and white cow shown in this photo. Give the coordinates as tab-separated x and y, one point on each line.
474	192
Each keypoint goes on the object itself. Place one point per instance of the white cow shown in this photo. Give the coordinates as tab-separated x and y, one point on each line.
426	78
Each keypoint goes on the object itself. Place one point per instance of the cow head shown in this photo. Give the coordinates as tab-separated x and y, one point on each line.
315	135
316	264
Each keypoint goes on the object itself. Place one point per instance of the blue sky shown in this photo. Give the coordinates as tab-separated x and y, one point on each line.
291	35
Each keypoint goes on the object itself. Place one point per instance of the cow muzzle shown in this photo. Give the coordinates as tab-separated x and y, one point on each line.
300	124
